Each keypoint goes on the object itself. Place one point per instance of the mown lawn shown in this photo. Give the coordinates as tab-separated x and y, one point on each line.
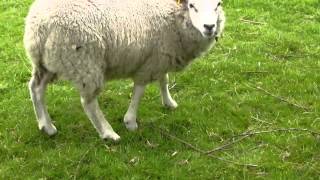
263	76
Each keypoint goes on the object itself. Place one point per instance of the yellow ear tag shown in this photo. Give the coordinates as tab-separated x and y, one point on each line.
179	2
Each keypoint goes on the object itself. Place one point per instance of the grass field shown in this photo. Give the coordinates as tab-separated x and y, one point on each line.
264	76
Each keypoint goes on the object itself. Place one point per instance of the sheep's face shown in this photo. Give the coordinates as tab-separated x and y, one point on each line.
204	15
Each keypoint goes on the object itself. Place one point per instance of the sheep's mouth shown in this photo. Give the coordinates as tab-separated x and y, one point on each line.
209	34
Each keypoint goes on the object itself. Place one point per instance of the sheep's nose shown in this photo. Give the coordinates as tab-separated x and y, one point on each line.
209	27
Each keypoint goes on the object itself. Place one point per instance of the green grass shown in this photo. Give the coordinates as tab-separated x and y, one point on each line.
215	104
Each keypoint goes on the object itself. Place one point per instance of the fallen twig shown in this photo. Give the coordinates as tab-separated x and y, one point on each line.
224	146
180	140
252	22
262	121
255	72
252	133
277	130
79	163
279	98
200	150
172	86
232	142
232	162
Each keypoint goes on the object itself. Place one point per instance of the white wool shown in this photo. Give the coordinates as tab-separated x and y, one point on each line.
89	41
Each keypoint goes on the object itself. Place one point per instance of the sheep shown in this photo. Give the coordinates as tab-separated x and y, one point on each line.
89	42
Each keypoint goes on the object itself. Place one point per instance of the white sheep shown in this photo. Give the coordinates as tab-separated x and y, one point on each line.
89	42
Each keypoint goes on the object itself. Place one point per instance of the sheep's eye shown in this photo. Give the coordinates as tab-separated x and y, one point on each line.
191	6
219	4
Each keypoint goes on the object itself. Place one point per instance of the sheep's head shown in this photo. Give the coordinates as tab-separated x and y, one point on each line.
204	15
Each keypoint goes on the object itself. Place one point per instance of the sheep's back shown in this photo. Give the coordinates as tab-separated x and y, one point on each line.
114	35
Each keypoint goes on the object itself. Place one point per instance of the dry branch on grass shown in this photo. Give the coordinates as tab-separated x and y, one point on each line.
232	141
252	22
165	133
260	120
245	135
255	72
79	163
314	133
279	98
224	146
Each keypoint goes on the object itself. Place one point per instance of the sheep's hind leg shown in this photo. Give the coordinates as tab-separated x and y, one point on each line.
165	93
37	88
130	118
94	113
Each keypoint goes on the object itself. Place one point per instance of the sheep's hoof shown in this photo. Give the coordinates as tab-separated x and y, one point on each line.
49	129
130	122
170	104
111	135
131	125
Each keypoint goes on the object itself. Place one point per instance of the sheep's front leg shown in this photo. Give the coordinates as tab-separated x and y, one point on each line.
96	116
164	89
130	118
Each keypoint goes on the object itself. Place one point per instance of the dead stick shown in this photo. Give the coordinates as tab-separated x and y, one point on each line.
253	22
259	120
200	150
220	148
223	147
233	162
279	98
255	72
170	87
79	163
180	140
278	130
249	134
